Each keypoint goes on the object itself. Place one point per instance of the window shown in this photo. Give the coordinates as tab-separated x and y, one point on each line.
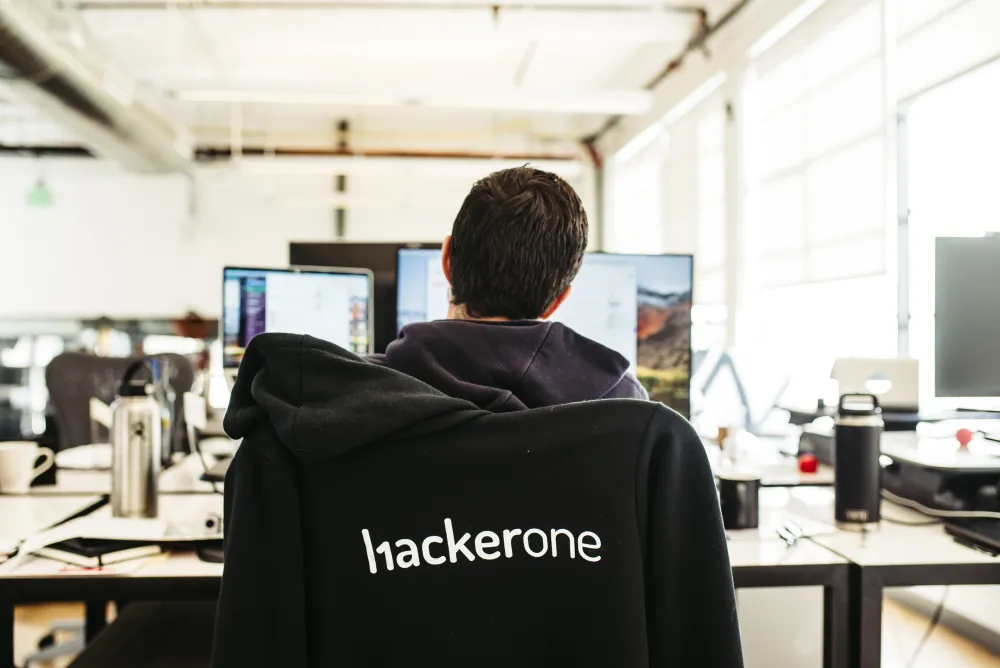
817	192
636	218
954	141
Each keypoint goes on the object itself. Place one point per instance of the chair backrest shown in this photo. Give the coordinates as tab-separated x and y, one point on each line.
548	518
73	379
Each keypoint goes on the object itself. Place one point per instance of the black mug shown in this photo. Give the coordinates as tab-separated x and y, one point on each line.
738	495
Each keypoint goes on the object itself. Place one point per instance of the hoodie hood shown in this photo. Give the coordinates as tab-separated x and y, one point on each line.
324	401
512	365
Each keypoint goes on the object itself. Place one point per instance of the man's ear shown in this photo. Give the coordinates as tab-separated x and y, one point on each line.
446	258
557	303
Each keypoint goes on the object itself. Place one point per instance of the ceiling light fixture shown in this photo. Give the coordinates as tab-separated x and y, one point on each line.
383	166
624	102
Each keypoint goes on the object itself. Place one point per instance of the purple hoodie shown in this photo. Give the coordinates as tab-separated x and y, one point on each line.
510	366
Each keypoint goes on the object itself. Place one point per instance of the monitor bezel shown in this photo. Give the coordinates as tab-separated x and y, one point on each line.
301	269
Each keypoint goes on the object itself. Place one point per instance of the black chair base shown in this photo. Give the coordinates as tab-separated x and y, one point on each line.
154	635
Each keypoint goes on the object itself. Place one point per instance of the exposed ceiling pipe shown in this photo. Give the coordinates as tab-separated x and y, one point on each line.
212	154
44	151
220	153
698	42
100	108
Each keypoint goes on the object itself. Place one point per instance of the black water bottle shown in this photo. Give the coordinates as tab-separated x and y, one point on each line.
858	482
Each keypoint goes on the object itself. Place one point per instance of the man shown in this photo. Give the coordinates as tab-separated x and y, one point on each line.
515	247
415	513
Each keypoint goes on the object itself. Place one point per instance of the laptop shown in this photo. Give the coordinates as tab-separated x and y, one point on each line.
894	381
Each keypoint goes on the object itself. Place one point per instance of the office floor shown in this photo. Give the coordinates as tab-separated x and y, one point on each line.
901	632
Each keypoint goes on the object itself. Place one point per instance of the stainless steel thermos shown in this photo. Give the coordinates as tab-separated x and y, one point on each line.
136	443
857	443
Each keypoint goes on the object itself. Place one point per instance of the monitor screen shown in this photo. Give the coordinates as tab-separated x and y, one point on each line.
333	305
638	305
380	258
967	317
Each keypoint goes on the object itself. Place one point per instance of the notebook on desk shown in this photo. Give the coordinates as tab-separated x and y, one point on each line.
97	552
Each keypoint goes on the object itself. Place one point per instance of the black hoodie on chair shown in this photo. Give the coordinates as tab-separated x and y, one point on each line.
510	365
372	520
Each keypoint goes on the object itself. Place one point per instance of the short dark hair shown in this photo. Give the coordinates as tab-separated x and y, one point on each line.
516	244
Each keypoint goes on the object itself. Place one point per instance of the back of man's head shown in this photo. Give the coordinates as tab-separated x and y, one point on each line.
516	245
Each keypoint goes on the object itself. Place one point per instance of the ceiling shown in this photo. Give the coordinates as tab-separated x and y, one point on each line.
444	74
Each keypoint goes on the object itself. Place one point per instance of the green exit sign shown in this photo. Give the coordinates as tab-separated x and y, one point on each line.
39	196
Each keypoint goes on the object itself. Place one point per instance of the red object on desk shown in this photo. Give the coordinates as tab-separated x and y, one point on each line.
808	463
964	437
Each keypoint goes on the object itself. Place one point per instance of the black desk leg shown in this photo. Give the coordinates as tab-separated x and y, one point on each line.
866	617
836	639
96	618
6	634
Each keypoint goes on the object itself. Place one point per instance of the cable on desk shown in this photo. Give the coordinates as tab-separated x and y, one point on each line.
904	523
935	620
934	512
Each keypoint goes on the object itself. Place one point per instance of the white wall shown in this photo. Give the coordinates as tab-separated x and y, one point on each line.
122	244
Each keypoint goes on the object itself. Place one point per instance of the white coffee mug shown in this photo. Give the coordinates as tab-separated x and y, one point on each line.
17	465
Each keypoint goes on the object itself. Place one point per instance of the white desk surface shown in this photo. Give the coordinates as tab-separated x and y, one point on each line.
894	545
776	552
182	478
184	514
22	516
890	545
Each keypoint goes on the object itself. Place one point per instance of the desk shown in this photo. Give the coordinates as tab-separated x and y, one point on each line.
759	560
772	563
21	517
176	576
181	478
901	556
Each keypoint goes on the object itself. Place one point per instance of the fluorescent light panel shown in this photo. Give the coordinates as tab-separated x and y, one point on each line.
381	166
626	102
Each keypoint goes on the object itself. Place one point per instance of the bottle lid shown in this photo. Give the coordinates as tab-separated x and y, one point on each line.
134	388
858	404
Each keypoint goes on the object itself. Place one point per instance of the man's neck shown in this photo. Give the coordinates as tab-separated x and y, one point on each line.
459	313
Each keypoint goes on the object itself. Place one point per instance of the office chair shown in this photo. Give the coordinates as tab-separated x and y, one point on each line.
73	379
80	388
567	471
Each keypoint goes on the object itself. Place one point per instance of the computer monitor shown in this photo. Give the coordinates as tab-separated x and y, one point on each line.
380	258
967	317
638	305
331	304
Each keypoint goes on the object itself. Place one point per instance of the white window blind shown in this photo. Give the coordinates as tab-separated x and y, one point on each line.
817	194
694	195
635	206
816	149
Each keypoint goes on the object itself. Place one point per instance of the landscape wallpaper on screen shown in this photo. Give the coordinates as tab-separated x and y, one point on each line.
663	329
